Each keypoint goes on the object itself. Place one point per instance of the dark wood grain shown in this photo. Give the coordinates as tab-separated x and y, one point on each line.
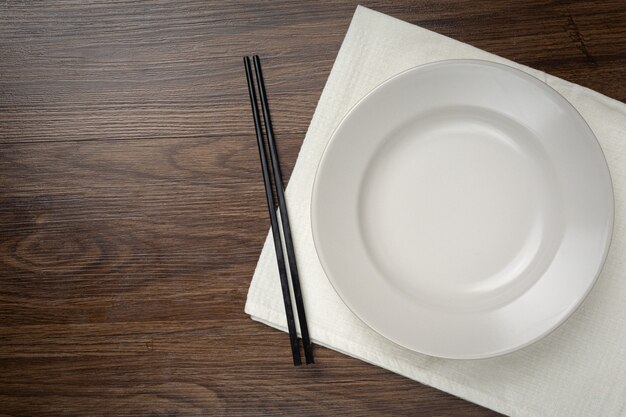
131	201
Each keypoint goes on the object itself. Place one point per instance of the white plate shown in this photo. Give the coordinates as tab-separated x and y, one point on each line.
462	209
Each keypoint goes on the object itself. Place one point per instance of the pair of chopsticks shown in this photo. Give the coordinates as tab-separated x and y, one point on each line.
286	228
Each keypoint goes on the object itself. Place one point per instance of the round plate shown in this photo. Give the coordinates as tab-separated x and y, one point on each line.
462	209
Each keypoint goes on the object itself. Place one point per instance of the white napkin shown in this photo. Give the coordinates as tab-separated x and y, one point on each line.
578	370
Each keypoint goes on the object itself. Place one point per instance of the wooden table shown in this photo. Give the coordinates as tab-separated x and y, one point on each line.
132	210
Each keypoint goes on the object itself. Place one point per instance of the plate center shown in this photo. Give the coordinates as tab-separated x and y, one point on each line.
465	192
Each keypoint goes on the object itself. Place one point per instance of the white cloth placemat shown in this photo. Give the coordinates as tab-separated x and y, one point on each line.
578	370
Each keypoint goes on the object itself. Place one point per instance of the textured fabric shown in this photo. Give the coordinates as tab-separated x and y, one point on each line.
577	370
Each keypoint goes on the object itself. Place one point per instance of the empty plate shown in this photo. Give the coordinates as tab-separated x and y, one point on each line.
462	209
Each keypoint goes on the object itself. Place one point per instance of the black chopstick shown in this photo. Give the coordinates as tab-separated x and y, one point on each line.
284	217
291	325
